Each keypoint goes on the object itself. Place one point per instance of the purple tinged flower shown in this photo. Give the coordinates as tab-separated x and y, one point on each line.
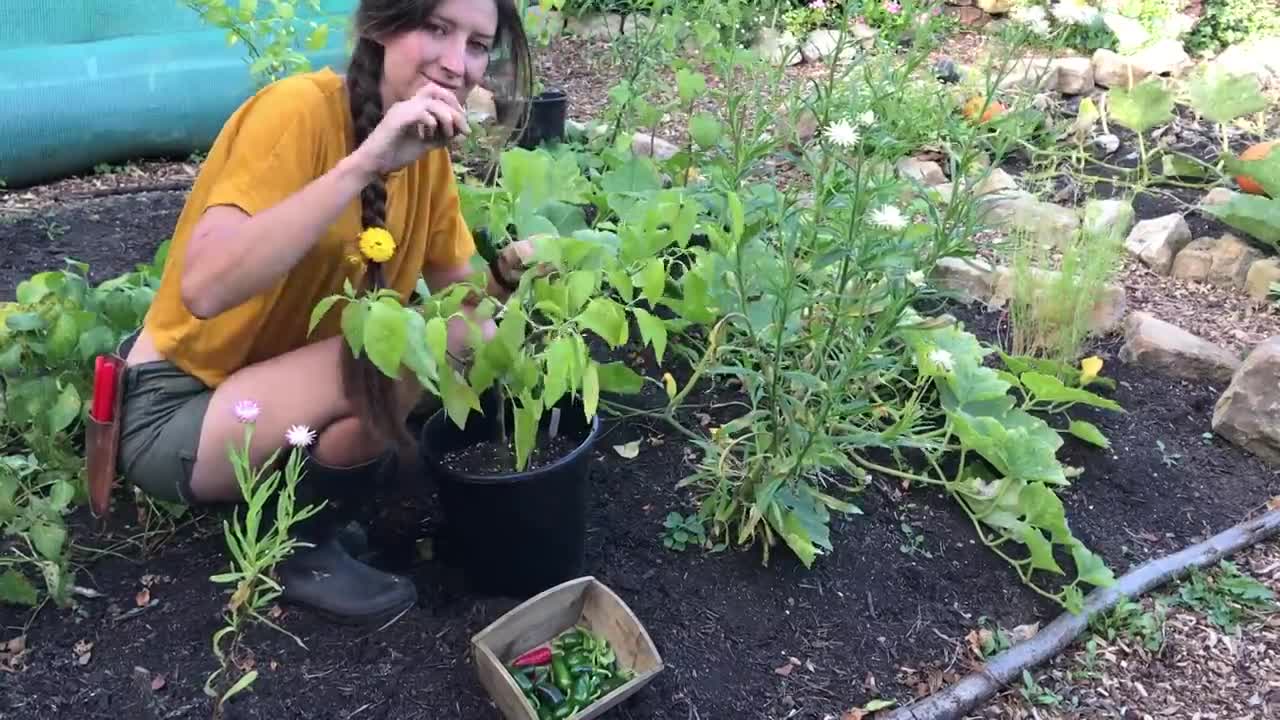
893	7
247	411
300	436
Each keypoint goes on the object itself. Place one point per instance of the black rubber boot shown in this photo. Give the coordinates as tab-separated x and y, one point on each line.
327	577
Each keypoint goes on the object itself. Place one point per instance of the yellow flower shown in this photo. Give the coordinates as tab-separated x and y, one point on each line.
670	384
377	245
1089	369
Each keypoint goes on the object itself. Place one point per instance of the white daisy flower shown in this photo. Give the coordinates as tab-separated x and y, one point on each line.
300	436
843	133
867	119
888	217
942	359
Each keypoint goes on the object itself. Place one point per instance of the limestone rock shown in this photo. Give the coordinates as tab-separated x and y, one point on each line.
970	17
925	172
1157	241
1232	258
1261	274
1108	216
1112	70
596	27
1194	261
1259	57
820	45
777	47
1163	57
654	147
1075	75
1166	348
1034	74
1218	196
996	181
1018	210
973	278
1106	144
1248	413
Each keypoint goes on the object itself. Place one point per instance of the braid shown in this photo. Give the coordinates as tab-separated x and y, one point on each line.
375	393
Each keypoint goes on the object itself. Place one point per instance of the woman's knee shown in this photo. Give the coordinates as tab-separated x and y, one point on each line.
347	443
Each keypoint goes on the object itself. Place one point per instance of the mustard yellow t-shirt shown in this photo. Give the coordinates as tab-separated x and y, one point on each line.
287	135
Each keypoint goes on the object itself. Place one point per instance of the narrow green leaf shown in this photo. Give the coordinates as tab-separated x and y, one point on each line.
590	390
386	335
320	310
652	330
1089	433
652	280
511	331
561	366
1050	389
527	414
438	340
1090	568
458	397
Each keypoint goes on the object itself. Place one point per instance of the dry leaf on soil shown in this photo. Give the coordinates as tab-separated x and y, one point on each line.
629	450
83	650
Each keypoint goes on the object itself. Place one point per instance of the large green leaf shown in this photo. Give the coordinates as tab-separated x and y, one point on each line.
605	318
1090	568
567	219
1041	550
1222	96
459	399
651	278
386	335
705	129
561	368
353	319
616	377
1148	105
16	589
65	410
637	175
418	356
49	538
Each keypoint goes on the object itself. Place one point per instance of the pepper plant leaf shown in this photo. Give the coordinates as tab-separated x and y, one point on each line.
605	318
1223	96
652	330
65	410
458	397
1148	105
353	319
590	389
386	335
527	414
616	377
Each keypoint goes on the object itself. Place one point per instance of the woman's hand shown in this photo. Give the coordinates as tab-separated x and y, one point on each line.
515	258
432	118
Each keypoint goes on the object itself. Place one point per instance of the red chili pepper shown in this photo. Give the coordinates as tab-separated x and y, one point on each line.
536	656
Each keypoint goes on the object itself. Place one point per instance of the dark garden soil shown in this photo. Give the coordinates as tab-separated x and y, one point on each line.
739	639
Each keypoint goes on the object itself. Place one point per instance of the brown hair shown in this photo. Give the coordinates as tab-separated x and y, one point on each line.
509	75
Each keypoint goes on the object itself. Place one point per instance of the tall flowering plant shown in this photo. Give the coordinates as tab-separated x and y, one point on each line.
258	541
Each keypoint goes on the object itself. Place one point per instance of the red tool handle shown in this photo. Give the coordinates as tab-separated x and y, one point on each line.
104	388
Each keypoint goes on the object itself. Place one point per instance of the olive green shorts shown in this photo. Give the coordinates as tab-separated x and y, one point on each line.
162	413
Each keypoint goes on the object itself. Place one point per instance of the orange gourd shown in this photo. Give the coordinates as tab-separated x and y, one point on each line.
1254	152
974	106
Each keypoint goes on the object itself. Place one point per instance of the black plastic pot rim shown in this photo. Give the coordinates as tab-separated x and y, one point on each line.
510	477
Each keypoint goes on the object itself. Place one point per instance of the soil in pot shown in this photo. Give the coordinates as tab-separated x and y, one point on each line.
512	533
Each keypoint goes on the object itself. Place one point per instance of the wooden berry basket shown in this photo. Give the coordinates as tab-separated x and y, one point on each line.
584	601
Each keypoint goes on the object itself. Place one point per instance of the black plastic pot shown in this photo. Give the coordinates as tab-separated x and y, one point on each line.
547	114
519	533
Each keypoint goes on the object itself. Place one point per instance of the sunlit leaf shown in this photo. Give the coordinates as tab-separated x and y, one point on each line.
1148	105
1222	96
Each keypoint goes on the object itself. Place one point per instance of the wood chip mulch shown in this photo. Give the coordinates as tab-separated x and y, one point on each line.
1199	672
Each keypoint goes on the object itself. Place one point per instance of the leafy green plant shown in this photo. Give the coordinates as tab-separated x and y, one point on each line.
680	532
48	339
1226	595
1227	22
275	34
257	543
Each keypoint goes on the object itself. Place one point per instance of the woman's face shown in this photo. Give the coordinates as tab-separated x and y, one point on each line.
452	50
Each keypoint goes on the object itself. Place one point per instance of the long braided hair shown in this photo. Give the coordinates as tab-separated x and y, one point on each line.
511	77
